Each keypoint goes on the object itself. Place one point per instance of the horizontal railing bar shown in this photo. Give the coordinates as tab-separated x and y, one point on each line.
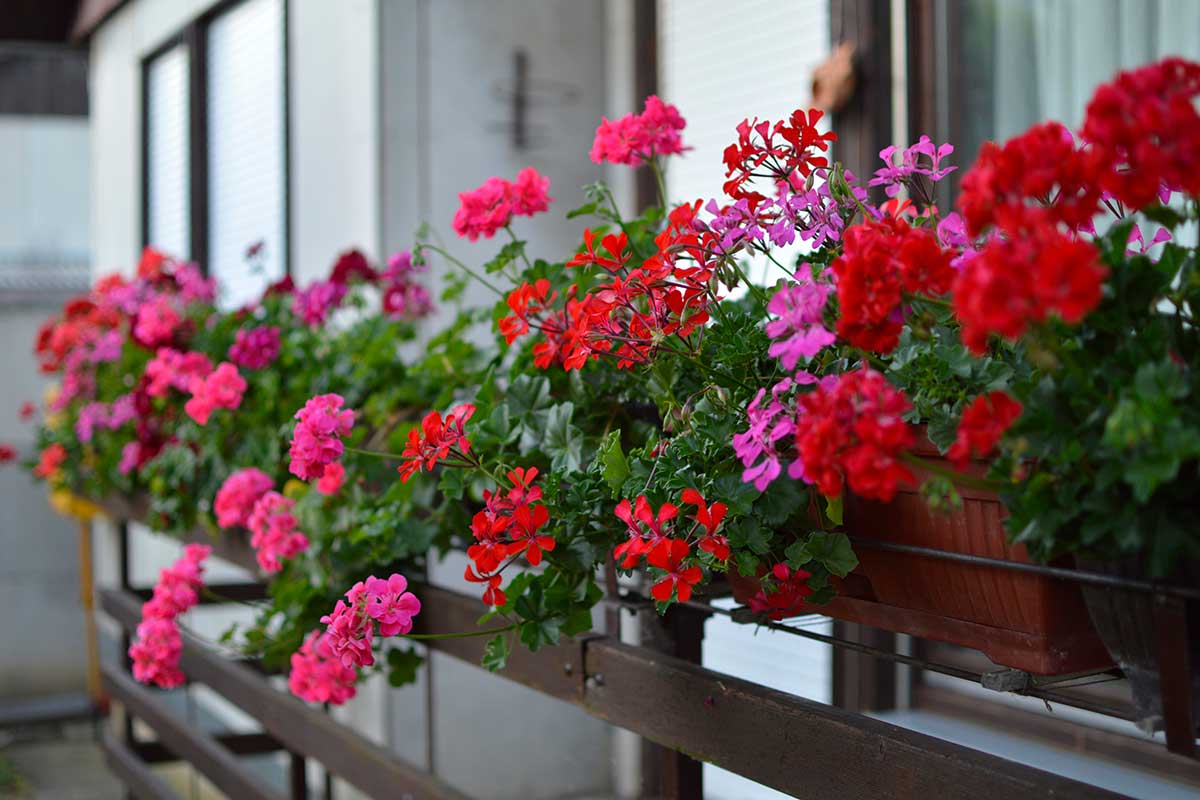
216	763
135	774
221	593
298	727
1048	694
798	746
1062	573
734	739
242	744
760	733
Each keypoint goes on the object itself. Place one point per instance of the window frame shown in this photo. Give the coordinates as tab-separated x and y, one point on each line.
193	37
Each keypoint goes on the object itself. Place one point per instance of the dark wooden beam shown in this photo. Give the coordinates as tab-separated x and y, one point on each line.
137	776
797	746
803	748
216	763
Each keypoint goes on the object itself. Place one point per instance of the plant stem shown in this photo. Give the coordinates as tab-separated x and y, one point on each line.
658	179
460	265
463	635
957	477
515	240
375	453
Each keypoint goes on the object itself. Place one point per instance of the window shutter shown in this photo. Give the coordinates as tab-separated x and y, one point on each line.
246	153
167	174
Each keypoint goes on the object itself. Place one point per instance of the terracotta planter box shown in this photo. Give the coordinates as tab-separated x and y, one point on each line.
1020	620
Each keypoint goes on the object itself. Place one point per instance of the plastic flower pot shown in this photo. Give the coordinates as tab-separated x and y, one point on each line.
1126	623
1021	620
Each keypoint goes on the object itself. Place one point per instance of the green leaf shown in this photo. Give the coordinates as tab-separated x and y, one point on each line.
403	665
830	550
508	254
613	464
833	508
495	653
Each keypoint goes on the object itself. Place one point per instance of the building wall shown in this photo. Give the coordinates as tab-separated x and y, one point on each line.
43	254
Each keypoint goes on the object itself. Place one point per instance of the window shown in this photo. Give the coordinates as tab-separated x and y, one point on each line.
168	211
215	149
246	173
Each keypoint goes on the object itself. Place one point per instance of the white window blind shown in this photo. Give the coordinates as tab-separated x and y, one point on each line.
246	174
167	175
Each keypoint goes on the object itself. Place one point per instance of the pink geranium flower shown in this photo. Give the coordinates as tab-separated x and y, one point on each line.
317	442
223	388
273	528
331	481
236	498
318	676
255	348
800	329
391	605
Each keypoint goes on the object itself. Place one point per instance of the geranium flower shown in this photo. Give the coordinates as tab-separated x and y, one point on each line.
222	388
710	519
436	440
981	426
317	438
331	481
391	605
854	431
50	461
669	557
239	493
256	348
800	328
317	675
641	541
786	598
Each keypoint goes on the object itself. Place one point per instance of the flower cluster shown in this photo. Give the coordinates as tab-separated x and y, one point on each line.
349	632
982	424
854	432
787	152
632	316
438	439
785	598
273	531
493	205
238	494
923	158
171	369
159	645
403	296
800	331
221	388
636	138
1145	126
317	675
507	527
881	262
666	542
317	439
255	348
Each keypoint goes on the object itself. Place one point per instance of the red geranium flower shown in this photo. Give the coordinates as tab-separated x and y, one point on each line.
982	425
641	542
668	556
709	518
436	440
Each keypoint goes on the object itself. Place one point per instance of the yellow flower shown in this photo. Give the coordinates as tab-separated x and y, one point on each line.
295	489
69	504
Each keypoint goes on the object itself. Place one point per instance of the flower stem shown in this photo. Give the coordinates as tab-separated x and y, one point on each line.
970	481
374	453
658	179
462	635
460	265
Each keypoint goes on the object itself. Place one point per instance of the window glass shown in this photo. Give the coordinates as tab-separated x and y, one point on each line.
168	208
246	174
